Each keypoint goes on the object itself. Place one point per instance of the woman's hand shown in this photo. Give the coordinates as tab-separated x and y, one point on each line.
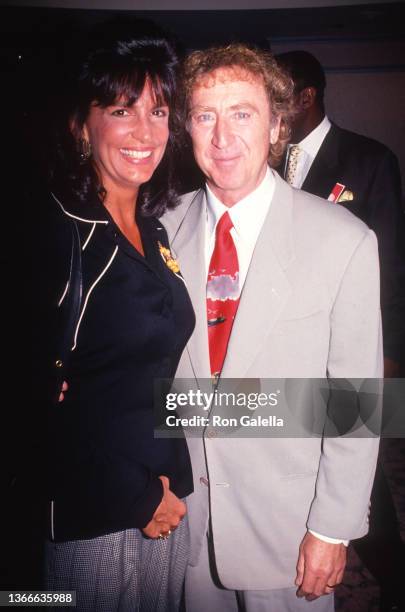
167	515
62	393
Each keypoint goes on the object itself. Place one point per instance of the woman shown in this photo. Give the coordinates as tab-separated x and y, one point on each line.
116	529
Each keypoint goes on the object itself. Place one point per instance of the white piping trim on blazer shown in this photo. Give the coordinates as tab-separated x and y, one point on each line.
94	221
88	295
63	294
89	236
75	216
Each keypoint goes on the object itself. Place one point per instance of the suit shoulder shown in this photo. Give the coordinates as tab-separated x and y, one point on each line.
325	217
173	218
360	144
185	202
49	221
187	198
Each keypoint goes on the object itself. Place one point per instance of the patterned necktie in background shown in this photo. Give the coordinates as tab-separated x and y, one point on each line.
222	293
293	154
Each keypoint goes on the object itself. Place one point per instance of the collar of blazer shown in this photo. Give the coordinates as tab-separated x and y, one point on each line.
88	213
153	234
266	288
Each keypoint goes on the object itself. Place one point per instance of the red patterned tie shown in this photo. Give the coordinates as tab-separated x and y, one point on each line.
222	293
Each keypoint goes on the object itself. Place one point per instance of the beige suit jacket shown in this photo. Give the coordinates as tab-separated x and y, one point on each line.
309	309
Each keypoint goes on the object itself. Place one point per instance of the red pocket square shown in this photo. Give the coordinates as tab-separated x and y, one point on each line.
336	192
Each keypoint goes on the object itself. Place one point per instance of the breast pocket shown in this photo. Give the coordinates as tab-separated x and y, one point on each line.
305	304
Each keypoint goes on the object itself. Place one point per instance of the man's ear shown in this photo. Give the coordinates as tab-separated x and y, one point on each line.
275	130
307	97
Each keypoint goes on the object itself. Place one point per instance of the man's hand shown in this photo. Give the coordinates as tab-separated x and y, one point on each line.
320	567
167	515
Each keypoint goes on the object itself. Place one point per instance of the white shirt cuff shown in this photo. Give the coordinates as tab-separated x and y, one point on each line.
328	539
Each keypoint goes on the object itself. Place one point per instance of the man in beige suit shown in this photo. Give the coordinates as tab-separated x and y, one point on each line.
270	517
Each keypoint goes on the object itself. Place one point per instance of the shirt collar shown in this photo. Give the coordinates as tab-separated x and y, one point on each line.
248	214
311	143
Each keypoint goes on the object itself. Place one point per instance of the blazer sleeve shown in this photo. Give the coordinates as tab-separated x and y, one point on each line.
347	464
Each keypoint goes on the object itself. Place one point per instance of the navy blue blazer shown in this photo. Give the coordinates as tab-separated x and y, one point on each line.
103	460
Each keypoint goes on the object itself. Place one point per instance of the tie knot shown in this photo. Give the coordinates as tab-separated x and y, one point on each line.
294	150
224	224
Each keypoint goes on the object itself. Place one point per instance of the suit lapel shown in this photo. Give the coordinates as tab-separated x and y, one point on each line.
188	245
323	173
266	288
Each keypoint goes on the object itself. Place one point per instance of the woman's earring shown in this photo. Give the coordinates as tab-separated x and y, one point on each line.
84	149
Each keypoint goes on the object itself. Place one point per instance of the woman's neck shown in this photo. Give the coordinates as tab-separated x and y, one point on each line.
122	209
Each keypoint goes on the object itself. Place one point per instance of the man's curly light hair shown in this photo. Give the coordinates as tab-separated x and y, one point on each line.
257	62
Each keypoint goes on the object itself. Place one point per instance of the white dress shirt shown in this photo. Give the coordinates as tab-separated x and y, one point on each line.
247	216
309	146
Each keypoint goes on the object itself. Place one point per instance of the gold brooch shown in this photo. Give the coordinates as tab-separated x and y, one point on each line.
170	262
346	196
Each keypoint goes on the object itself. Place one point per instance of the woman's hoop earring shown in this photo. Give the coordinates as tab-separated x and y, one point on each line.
84	149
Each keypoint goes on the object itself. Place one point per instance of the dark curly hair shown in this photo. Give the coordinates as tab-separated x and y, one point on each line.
113	64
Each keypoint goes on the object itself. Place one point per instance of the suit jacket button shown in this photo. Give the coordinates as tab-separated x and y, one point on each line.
211	433
204	481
